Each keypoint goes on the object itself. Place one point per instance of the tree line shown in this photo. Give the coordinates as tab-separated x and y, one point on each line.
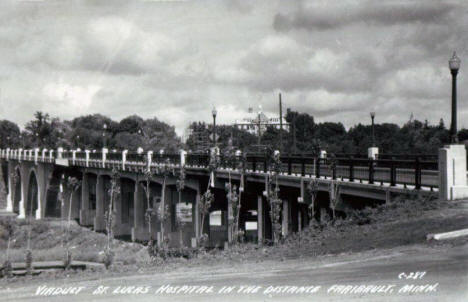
90	132
304	136
307	136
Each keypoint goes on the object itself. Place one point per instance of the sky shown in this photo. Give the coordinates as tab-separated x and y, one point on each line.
176	60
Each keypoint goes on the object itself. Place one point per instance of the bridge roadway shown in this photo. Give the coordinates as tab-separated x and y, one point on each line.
34	178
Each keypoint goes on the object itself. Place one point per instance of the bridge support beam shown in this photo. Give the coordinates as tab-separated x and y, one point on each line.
452	172
285	218
11	187
44	173
196	219
84	212
139	231
260	220
99	221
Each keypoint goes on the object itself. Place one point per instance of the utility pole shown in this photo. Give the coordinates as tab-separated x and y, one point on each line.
281	123
294	133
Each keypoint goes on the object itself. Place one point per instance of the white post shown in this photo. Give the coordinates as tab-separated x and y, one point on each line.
59	152
87	157
149	159
452	172
30	154
36	155
104	155
124	158
323	154
183	155
373	152
19	153
73	156
44	154
7	153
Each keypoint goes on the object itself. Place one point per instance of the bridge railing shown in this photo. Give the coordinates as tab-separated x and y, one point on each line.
136	158
95	156
114	156
159	158
197	159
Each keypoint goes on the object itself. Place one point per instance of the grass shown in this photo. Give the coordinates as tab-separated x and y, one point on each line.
404	221
47	243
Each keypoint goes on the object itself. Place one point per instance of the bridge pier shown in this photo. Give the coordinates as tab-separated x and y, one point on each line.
43	174
139	232
84	211
260	220
11	187
285	218
196	219
99	221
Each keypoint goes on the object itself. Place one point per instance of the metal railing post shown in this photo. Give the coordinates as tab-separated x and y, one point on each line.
317	168
302	165
371	171
417	174
392	173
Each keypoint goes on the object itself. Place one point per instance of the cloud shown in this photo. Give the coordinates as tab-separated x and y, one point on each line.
329	16
176	60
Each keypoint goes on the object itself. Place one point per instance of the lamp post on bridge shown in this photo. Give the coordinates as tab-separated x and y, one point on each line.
372	151
452	158
214	112
372	115
104	135
454	65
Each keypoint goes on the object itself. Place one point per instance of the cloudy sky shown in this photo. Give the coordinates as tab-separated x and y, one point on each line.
177	59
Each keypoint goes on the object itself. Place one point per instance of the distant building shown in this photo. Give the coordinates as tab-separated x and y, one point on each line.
254	120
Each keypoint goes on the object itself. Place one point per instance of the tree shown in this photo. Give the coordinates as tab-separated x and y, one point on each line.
9	135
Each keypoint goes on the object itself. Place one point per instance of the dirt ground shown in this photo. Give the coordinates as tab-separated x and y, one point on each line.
400	223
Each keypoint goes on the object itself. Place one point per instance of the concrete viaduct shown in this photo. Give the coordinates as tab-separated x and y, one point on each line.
33	179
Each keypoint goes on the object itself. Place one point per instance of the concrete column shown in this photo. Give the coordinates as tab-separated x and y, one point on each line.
24	190
373	152
149	159
11	188
75	204
197	218
36	155
73	157
104	156
183	156
230	219
118	212
323	154
84	212
452	172
124	158
99	220
260	219
60	152
139	232
285	218
43	155
43	173
87	157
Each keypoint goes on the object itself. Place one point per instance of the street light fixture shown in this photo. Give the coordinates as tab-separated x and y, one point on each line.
214	112
454	65
104	135
372	115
